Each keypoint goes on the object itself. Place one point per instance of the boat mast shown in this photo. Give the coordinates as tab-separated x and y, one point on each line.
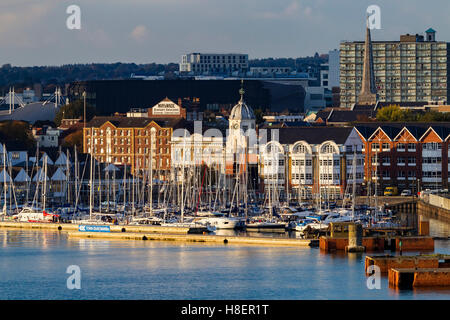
45	183
354	184
91	175
4	178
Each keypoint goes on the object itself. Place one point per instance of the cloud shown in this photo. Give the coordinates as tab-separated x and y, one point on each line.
140	33
17	23
293	10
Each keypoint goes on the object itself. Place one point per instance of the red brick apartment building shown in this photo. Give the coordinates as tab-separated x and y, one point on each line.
412	156
132	140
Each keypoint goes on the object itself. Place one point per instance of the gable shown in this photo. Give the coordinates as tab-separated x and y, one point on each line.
405	136
430	136
379	135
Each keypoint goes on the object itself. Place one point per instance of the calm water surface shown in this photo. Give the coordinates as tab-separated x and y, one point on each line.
33	266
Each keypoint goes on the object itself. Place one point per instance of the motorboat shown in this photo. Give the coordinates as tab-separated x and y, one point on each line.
30	214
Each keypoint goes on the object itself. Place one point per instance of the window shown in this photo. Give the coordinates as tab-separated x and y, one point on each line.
401	174
411	147
432	146
401	161
431	160
386	146
386	161
411	161
375	146
401	147
309	162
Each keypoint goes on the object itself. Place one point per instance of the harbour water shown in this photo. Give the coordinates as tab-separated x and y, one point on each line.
33	265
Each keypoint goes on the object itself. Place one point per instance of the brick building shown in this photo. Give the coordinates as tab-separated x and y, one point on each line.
410	156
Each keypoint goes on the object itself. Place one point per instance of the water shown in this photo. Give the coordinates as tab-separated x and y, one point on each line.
33	266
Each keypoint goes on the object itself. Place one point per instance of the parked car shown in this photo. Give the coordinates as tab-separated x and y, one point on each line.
406	193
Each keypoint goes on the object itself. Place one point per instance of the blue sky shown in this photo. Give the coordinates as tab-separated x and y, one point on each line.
34	32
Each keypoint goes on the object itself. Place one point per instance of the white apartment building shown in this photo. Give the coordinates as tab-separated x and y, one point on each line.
203	63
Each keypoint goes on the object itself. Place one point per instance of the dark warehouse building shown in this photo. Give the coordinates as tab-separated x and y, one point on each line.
110	96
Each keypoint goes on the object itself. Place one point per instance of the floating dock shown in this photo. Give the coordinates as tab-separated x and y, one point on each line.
331	244
113	228
410	243
413	278
194	238
387	262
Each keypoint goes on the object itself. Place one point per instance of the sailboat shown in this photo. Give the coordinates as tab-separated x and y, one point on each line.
267	224
35	214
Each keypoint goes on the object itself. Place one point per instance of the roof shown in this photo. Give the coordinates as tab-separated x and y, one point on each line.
313	135
345	115
430	30
241	111
392	129
134	122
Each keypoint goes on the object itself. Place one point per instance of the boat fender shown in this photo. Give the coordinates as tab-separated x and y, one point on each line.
123	229
59	228
225	241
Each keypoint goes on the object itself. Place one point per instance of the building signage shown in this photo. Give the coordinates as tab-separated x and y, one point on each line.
166	108
92	228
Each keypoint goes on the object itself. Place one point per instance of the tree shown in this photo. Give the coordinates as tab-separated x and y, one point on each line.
259	116
74	110
75	138
391	113
16	134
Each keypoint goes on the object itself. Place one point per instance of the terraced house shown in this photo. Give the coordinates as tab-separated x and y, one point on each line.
411	156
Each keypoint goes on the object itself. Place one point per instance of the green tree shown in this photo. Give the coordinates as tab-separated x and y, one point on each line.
391	113
74	110
259	116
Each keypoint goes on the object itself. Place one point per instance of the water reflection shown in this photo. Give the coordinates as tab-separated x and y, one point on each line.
33	264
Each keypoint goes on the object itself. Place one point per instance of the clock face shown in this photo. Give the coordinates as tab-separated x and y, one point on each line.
235	126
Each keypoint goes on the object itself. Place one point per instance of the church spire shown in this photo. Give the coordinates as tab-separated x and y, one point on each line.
368	93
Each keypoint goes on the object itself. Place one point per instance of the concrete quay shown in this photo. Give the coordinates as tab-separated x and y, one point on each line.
194	238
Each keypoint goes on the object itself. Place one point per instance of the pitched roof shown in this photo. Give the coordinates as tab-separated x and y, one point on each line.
134	122
392	129
313	135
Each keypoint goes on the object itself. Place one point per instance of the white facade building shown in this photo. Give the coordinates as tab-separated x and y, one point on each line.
204	63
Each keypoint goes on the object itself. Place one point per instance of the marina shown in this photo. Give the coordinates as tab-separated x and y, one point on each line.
34	262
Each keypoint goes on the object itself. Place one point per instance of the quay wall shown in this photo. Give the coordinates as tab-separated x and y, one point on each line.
434	211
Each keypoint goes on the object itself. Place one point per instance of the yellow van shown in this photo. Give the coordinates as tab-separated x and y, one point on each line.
391	191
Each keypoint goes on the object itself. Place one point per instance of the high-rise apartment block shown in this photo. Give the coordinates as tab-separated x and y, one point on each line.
412	69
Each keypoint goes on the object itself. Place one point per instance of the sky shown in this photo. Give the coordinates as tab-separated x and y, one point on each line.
34	32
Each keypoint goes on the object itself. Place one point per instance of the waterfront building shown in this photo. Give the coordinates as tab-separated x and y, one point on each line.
131	141
312	162
415	68
411	156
